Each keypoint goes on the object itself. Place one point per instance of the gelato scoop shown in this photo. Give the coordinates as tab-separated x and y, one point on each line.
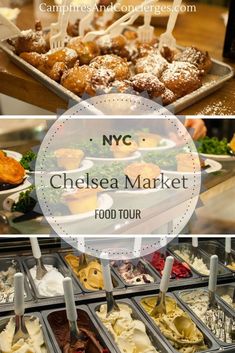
215	318
195	262
177	326
129	334
179	270
34	344
134	274
60	327
91	276
51	284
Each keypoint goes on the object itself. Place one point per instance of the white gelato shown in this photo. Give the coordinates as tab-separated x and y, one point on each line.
197	263
34	344
129	334
51	284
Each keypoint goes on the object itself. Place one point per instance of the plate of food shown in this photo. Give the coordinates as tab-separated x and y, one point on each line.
218	150
82	204
148	141
12	175
13	154
63	160
179	161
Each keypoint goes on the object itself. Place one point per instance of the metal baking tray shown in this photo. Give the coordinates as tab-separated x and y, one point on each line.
5	263
218	75
224	307
157	342
49	259
222	271
117	284
211	247
226	289
100	335
209	340
4	321
148	259
147	268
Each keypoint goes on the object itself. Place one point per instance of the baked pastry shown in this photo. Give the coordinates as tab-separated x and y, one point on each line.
122	86
122	151
11	171
147	82
69	158
200	59
181	78
113	62
81	201
169	53
186	163
111	45
31	41
78	80
52	64
147	139
152	63
145	173
85	51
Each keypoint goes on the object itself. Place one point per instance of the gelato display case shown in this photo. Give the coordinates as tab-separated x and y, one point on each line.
182	326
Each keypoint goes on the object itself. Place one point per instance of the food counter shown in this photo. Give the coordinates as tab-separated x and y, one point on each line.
185	279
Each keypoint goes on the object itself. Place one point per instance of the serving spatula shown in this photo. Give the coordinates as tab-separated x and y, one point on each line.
40	268
71	312
20	328
213	281
160	307
108	285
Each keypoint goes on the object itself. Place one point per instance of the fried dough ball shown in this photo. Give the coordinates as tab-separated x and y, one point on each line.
53	64
169	54
72	28
200	59
11	171
102	78
122	86
85	51
78	80
153	63
168	97
181	78
112	62
116	45
147	82
31	41
130	35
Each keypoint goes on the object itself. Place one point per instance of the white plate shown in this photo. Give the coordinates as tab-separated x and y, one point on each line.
17	156
105	202
6	196
219	158
212	167
133	157
167	145
85	165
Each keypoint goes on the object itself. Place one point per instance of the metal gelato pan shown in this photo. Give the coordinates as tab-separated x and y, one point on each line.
214	248
148	259
117	284
157	342
49	259
5	263
147	270
188	248
210	342
82	309
47	341
218	75
224	308
227	290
